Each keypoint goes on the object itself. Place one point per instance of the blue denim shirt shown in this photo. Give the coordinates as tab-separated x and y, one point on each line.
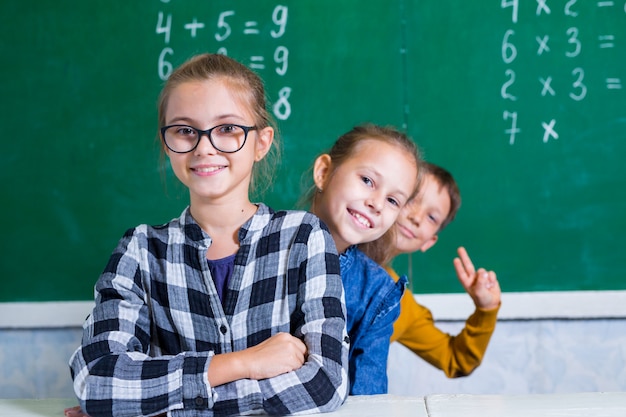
373	305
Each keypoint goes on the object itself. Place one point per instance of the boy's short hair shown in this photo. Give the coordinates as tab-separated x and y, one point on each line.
447	182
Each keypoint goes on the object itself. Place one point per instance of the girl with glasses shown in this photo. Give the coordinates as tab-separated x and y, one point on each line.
231	308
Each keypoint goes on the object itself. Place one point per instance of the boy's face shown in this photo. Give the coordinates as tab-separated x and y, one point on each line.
420	219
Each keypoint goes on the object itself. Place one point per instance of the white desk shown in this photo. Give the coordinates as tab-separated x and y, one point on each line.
593	404
381	406
360	406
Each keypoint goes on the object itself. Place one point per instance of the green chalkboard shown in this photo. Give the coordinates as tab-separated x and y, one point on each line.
525	103
80	162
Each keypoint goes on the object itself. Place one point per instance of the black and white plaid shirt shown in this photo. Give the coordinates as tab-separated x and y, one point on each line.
158	321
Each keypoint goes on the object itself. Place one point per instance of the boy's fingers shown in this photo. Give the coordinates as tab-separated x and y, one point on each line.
467	262
461	273
494	279
489	278
485	278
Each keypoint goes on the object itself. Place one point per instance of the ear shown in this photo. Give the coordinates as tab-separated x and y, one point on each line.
321	170
429	243
263	144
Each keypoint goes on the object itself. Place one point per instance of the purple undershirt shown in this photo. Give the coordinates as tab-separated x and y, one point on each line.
221	271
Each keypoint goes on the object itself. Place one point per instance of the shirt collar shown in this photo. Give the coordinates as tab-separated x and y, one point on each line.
256	223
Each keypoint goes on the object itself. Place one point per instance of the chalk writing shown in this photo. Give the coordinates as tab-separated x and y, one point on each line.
218	27
552	81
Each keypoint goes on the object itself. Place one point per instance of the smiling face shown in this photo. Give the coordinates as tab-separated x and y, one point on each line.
419	221
209	174
361	198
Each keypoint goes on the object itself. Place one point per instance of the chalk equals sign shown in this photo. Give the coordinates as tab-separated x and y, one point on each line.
613	84
606	41
251	28
256	62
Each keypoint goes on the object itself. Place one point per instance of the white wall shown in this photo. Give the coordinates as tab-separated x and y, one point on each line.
547	342
34	362
544	343
524	357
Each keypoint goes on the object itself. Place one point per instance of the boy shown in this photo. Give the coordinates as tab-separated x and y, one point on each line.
416	229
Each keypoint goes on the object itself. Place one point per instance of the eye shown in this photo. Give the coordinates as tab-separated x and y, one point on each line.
229	129
393	201
433	219
185	131
367	181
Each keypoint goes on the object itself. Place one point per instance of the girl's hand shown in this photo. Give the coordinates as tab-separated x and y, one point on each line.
75	412
277	355
481	285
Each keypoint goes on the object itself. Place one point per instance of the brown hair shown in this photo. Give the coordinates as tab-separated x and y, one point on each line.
446	181
246	85
347	144
382	249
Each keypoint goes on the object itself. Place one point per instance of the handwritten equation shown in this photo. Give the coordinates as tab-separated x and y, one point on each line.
568	43
213	33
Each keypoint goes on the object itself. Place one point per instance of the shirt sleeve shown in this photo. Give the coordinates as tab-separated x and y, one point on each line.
113	370
456	355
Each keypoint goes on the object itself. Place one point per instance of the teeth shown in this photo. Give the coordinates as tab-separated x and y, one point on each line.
208	169
361	219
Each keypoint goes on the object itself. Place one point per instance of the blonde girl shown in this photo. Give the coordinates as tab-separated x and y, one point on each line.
360	186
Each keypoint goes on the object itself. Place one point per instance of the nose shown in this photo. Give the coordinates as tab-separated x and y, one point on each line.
415	216
205	147
375	202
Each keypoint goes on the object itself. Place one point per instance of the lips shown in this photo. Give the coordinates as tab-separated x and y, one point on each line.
406	231
207	169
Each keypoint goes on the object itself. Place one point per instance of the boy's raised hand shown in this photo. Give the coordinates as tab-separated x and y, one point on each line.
481	285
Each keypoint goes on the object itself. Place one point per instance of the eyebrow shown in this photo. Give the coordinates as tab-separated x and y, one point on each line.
189	120
180	119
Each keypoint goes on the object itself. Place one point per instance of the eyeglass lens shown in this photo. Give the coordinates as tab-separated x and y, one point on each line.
226	138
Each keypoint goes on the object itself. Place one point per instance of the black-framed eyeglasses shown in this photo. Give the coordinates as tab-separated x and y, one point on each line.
226	138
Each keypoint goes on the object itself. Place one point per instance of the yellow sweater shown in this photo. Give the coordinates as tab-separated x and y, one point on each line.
455	355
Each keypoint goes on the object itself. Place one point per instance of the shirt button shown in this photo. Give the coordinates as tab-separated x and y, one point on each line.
223	329
346	339
199	401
